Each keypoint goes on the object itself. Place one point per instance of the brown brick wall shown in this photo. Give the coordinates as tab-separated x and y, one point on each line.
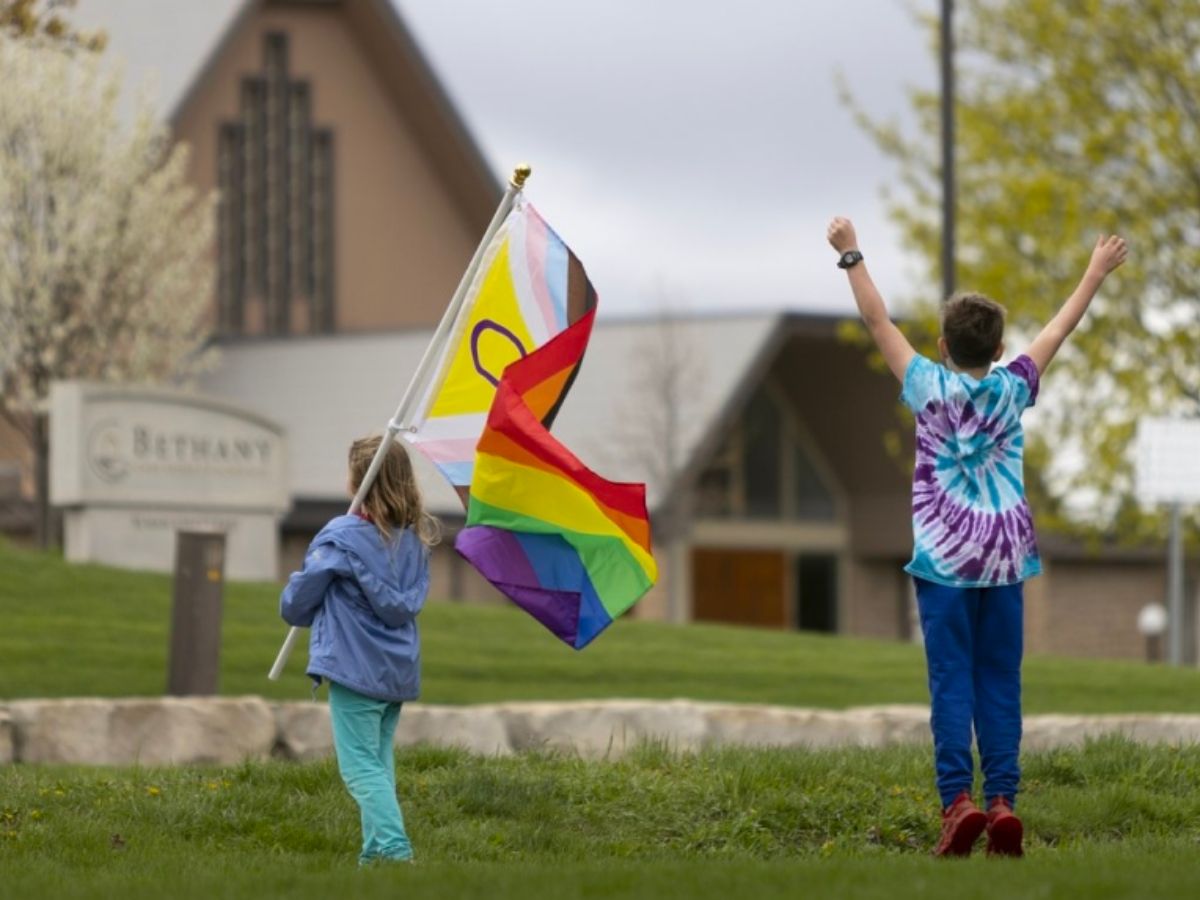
875	600
1085	608
1090	608
1037	628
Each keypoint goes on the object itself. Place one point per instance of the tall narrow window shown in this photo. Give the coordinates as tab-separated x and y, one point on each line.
275	219
763	470
230	233
321	241
810	498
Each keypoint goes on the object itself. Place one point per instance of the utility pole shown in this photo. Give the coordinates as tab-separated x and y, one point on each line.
948	187
1175	615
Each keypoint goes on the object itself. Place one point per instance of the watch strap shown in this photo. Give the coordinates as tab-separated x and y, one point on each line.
849	259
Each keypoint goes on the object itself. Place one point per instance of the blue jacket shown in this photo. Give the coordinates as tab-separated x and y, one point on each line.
361	597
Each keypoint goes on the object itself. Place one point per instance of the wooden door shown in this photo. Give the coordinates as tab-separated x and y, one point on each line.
744	587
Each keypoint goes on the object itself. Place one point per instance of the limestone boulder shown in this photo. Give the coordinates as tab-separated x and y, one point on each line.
149	732
6	737
477	729
1044	732
1165	729
897	723
303	730
746	725
596	729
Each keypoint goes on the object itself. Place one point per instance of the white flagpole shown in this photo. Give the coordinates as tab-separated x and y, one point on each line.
421	376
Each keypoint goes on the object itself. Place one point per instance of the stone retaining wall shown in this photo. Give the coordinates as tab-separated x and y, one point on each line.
149	731
6	738
227	730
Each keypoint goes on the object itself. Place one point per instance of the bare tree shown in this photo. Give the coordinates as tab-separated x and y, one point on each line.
657	420
105	250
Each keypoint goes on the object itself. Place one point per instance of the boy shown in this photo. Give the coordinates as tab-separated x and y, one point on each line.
973	537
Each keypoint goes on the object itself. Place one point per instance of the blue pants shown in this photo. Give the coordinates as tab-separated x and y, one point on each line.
974	638
363	731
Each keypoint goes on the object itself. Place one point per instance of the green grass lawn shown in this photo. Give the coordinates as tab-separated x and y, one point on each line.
1110	820
91	631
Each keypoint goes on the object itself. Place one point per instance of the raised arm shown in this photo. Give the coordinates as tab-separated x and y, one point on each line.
1109	253
890	340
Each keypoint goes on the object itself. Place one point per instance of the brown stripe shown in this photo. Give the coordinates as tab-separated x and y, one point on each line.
581	299
580	295
552	413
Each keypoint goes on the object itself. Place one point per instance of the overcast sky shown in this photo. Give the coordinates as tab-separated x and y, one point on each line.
691	150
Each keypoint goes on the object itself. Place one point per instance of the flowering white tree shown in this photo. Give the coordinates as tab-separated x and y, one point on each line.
105	250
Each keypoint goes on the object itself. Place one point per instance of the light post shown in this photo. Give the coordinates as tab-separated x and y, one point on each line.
1165	455
1151	623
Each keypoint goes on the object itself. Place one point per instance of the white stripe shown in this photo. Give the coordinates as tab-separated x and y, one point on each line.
518	265
448	428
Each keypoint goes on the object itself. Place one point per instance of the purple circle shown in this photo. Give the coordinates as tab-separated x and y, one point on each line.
477	333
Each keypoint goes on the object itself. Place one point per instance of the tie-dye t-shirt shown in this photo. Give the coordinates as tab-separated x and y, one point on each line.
971	523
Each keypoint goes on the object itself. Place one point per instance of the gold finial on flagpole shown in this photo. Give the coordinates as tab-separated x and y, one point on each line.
520	173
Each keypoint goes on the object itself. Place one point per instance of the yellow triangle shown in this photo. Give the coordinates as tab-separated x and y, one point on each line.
466	389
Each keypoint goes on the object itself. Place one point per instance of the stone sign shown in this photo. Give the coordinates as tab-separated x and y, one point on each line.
133	465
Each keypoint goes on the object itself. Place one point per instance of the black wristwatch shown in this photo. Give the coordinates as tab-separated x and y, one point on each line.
850	259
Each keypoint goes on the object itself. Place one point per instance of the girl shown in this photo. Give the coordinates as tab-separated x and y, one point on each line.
364	581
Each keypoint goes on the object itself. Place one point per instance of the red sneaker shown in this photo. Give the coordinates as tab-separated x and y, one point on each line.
1004	830
962	823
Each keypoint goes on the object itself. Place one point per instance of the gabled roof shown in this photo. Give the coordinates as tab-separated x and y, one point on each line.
165	45
327	391
170	45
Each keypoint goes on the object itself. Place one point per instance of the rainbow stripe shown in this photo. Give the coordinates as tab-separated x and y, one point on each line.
564	544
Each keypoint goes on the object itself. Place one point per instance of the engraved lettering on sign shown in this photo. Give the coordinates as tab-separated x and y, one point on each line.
198	449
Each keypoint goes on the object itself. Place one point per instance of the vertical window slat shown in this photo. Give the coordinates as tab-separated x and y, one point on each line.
276	214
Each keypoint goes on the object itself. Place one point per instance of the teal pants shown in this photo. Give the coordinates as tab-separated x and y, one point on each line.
363	730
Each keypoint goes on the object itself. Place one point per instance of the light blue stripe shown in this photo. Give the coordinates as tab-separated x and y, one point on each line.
1012	479
457	473
993	491
993	401
556	275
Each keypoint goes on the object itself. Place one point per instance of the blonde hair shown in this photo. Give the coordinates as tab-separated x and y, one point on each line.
393	501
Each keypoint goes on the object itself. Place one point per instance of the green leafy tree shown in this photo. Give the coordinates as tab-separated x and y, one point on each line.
1074	117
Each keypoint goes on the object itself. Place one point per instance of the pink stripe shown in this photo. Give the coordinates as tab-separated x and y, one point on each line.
535	249
458	450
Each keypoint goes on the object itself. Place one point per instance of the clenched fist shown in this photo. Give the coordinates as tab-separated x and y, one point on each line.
841	235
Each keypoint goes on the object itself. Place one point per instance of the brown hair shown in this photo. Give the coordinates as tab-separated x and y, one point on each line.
973	326
393	500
